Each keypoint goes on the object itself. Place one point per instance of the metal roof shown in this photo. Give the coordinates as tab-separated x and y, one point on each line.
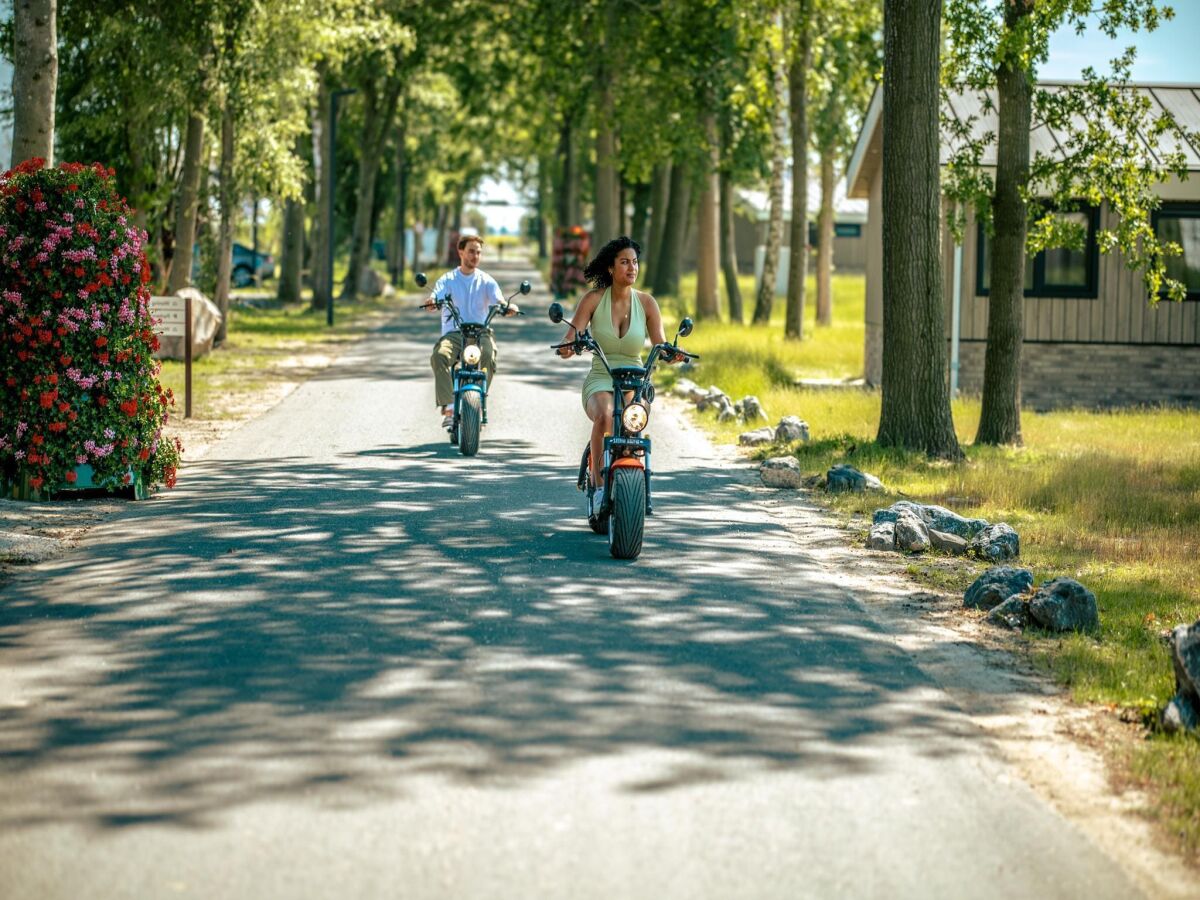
1182	101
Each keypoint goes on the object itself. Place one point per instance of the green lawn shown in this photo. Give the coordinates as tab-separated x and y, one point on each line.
1109	498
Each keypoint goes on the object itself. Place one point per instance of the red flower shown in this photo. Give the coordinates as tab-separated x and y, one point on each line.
102	400
101	341
71	476
47	399
38	440
36	482
129	407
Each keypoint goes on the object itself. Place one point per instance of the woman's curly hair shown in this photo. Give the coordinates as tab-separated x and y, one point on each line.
597	270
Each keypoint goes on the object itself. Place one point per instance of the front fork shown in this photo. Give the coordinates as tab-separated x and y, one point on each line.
634	444
470	380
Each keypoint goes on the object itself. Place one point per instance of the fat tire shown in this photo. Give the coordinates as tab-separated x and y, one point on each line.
627	522
471	418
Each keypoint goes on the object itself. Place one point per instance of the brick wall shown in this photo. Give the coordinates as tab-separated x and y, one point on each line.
1094	375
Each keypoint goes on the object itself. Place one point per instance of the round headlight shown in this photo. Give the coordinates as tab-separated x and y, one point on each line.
634	417
471	354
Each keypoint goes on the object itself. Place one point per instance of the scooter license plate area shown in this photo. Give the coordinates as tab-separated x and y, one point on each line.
618	447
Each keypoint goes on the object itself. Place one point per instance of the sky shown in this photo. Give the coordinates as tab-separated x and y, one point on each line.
1167	54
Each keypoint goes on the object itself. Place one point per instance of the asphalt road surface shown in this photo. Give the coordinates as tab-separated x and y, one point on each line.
341	660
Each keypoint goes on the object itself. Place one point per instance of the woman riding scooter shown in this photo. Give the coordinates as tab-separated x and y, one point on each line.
621	319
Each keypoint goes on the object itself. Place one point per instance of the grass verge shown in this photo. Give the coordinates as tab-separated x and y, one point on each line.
1109	498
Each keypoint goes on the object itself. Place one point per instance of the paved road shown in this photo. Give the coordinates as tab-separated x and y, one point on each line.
340	660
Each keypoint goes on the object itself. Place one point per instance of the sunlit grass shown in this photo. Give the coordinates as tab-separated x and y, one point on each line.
1109	498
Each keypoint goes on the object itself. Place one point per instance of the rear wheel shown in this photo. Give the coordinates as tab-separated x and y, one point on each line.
471	417
628	519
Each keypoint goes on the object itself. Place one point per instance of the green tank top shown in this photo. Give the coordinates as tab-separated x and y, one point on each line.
620	351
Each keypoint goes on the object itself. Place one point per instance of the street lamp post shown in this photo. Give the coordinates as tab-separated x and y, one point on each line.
333	115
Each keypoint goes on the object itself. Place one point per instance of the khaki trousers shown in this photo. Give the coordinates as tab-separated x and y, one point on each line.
446	352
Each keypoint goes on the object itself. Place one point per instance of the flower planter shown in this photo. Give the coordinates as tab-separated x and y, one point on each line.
85	480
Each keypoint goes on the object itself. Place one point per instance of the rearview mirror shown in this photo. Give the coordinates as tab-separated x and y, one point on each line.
526	287
685	328
556	313
420	279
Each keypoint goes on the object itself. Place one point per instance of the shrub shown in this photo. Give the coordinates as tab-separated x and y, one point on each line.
76	336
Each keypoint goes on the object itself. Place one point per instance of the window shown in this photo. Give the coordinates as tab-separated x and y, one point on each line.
1056	271
1180	222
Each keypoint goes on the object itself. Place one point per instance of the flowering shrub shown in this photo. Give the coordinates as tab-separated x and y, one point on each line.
76	336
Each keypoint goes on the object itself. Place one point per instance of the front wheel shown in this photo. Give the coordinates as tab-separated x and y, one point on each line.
628	519
468	437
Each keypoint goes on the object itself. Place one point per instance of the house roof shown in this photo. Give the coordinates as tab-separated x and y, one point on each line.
1180	100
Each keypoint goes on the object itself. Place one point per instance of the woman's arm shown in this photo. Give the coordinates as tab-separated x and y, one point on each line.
654	324
581	319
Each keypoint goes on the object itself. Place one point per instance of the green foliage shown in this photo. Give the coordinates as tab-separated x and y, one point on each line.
1101	123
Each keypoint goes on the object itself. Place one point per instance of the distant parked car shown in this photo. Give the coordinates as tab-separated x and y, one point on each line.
243	265
245	261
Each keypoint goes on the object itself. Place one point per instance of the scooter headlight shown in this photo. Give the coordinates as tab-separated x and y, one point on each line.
471	354
634	417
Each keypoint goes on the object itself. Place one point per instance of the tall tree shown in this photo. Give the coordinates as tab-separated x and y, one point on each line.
708	262
765	301
188	203
801	60
35	79
1000	415
915	410
729	249
995	48
843	76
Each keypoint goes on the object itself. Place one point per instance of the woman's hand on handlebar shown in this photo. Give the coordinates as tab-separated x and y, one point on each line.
566	351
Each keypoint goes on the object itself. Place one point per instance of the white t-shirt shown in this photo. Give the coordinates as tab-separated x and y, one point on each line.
472	294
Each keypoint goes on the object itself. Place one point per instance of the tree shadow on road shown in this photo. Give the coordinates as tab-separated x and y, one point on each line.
281	629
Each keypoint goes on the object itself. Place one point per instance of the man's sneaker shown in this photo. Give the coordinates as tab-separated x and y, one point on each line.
447	422
598	500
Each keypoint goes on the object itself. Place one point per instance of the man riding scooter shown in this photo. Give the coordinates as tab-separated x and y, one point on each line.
474	291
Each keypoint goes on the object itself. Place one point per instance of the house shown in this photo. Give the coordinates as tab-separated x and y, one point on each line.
1091	337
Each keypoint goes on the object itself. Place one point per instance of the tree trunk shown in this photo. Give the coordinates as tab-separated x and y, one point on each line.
666	276
189	202
825	242
379	109
398	226
1000	413
660	196
729	250
606	218
443	220
798	101
915	411
322	221
34	80
228	202
291	258
641	204
568	195
543	190
707	266
766	287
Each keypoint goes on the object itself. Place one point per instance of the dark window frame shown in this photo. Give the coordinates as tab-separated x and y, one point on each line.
1039	288
1173	207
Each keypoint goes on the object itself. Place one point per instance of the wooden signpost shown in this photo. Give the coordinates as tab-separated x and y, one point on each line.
175	314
